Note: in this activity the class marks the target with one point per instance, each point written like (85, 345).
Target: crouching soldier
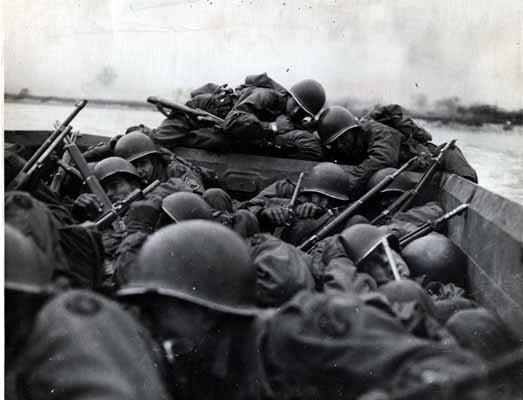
(84, 346)
(367, 147)
(270, 119)
(375, 252)
(195, 288)
(119, 179)
(151, 164)
(28, 286)
(324, 191)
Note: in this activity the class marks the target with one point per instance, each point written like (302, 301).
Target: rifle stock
(325, 230)
(90, 179)
(195, 112)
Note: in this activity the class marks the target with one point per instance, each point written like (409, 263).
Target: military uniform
(249, 122)
(375, 147)
(84, 346)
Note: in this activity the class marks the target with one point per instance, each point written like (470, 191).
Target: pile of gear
(131, 274)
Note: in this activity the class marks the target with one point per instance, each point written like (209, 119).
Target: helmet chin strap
(391, 260)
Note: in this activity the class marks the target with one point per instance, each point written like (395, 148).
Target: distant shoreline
(50, 100)
(472, 116)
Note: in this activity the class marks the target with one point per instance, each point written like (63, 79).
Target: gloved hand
(284, 124)
(276, 215)
(308, 210)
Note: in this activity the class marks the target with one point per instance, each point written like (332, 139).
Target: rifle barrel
(121, 208)
(430, 226)
(426, 177)
(54, 135)
(325, 230)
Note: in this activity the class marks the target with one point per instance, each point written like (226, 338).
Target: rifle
(325, 230)
(291, 205)
(121, 207)
(29, 171)
(37, 159)
(64, 167)
(90, 179)
(406, 198)
(431, 226)
(197, 113)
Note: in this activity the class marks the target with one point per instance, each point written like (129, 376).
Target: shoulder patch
(83, 305)
(191, 182)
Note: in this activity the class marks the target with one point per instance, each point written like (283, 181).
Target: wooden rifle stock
(325, 230)
(194, 112)
(88, 176)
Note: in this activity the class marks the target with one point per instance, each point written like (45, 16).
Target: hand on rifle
(87, 204)
(283, 124)
(308, 210)
(276, 215)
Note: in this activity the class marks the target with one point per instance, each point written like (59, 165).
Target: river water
(497, 155)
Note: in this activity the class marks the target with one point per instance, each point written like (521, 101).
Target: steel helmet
(201, 262)
(407, 290)
(134, 146)
(329, 180)
(334, 122)
(25, 267)
(360, 241)
(111, 166)
(182, 206)
(310, 96)
(437, 257)
(401, 184)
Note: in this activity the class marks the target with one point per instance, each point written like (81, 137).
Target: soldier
(75, 252)
(28, 286)
(119, 178)
(404, 222)
(367, 146)
(151, 164)
(324, 190)
(438, 258)
(180, 129)
(195, 288)
(145, 217)
(84, 346)
(364, 246)
(273, 119)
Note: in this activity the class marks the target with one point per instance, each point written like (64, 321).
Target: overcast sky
(387, 50)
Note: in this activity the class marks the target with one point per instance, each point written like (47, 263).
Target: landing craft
(490, 232)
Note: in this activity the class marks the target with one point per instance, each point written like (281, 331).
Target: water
(497, 155)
